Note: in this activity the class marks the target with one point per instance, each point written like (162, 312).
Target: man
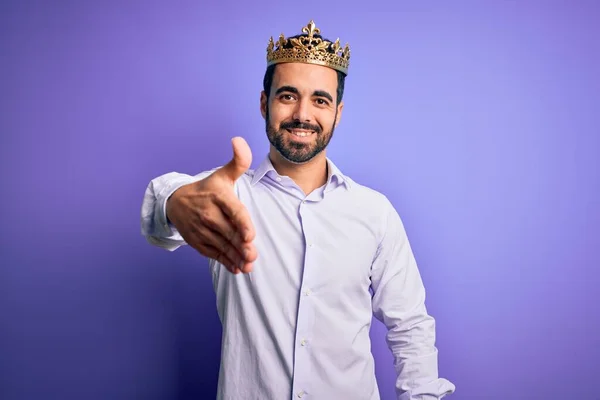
(301, 256)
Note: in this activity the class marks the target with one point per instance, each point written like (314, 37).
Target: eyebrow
(322, 93)
(291, 89)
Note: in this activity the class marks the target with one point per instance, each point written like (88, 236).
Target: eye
(286, 97)
(322, 102)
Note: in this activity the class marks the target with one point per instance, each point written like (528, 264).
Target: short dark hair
(341, 77)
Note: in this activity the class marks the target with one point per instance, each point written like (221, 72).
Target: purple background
(480, 122)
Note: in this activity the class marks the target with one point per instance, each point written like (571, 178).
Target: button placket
(306, 312)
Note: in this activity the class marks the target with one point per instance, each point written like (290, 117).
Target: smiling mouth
(300, 133)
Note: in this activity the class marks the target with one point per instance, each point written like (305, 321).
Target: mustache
(300, 125)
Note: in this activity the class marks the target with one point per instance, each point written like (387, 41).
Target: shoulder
(369, 197)
(376, 207)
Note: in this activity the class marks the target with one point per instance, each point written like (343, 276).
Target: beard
(293, 151)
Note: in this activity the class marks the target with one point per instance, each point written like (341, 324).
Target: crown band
(309, 49)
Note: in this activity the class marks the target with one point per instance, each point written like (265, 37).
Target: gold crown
(310, 50)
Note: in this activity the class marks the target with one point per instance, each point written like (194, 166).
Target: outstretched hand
(210, 217)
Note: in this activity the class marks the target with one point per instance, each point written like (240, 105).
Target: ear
(340, 107)
(263, 104)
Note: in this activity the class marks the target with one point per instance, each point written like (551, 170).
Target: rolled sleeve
(155, 226)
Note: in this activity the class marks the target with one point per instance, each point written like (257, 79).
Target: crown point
(309, 49)
(311, 29)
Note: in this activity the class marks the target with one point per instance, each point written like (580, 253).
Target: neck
(308, 176)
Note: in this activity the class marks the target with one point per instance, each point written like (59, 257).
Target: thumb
(242, 158)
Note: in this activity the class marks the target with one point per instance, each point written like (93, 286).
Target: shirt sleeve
(155, 227)
(399, 303)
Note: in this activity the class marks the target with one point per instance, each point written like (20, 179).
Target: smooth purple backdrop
(479, 121)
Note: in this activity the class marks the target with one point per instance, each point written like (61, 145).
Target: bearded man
(301, 255)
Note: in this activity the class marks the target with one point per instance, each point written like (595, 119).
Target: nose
(302, 111)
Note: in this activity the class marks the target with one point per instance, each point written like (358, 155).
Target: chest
(328, 244)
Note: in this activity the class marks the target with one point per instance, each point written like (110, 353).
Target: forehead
(305, 77)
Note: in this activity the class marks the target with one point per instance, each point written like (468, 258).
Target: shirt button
(300, 394)
(307, 292)
(303, 342)
(278, 179)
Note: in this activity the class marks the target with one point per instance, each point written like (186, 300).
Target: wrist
(168, 209)
(165, 211)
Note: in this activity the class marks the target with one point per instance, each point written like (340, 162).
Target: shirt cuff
(162, 224)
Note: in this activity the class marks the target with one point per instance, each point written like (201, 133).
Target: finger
(219, 242)
(214, 253)
(241, 161)
(247, 267)
(201, 237)
(217, 221)
(233, 208)
(223, 250)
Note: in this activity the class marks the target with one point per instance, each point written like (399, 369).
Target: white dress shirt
(297, 327)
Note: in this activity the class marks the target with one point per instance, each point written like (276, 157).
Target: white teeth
(301, 134)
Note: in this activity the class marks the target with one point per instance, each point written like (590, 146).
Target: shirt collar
(266, 166)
